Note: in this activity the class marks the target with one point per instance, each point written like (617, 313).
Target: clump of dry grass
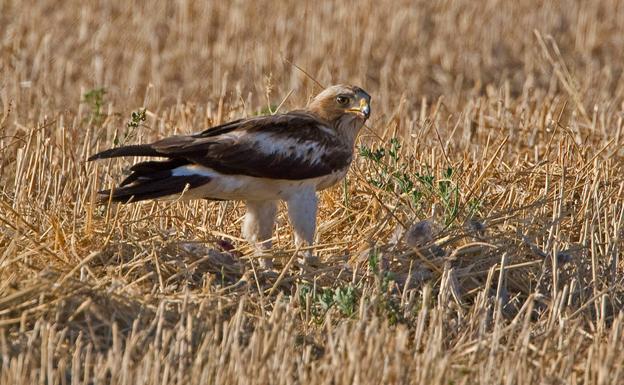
(476, 240)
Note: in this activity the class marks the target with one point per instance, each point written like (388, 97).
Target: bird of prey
(259, 160)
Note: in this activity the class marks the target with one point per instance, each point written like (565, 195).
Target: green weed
(95, 100)
(137, 118)
(391, 173)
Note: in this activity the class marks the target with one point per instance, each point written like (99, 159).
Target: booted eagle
(259, 160)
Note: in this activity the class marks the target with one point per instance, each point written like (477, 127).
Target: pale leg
(258, 228)
(302, 209)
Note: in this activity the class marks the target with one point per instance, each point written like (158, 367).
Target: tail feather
(152, 180)
(153, 165)
(153, 170)
(132, 150)
(143, 189)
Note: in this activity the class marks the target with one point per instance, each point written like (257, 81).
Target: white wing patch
(279, 145)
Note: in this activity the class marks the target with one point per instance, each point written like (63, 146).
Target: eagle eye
(342, 100)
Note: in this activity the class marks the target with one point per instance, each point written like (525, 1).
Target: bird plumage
(261, 159)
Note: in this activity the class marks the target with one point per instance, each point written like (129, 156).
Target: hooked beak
(364, 109)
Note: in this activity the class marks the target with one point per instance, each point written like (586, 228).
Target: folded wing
(292, 146)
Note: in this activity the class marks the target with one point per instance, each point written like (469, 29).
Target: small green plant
(373, 260)
(346, 300)
(343, 298)
(136, 119)
(386, 303)
(326, 300)
(95, 100)
(374, 155)
(392, 174)
(449, 194)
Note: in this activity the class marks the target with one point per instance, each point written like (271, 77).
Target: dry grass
(509, 118)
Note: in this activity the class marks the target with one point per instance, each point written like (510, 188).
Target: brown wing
(292, 146)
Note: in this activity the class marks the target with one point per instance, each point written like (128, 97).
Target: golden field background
(482, 247)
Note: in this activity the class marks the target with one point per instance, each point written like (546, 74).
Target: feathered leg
(258, 228)
(302, 209)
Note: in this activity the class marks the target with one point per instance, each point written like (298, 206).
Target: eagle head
(341, 103)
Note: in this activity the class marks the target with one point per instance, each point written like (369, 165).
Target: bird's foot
(307, 259)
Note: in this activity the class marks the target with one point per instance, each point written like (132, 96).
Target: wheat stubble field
(477, 238)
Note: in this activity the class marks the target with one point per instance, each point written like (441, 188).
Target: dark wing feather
(152, 188)
(245, 158)
(287, 146)
(153, 170)
(132, 150)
